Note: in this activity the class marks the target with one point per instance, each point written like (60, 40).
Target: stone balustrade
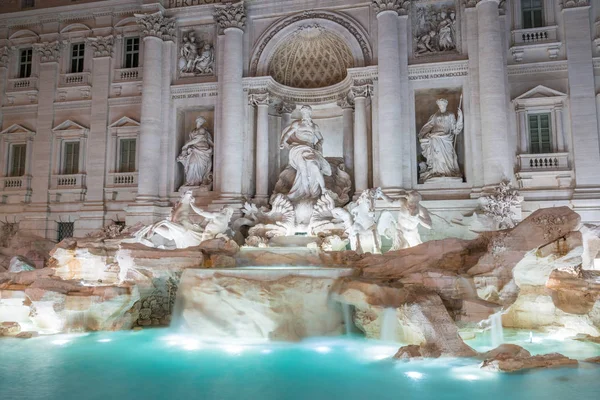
(128, 75)
(76, 79)
(15, 182)
(544, 161)
(22, 84)
(123, 179)
(74, 180)
(535, 35)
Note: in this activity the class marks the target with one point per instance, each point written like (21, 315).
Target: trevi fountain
(334, 276)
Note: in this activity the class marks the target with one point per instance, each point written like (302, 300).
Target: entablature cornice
(121, 101)
(72, 105)
(537, 68)
(450, 69)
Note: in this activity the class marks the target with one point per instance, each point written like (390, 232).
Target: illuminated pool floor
(155, 364)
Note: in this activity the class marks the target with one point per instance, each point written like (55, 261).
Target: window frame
(25, 68)
(120, 165)
(16, 134)
(135, 53)
(531, 19)
(26, 4)
(540, 142)
(11, 160)
(70, 166)
(77, 60)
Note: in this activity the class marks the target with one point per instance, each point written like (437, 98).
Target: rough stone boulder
(508, 350)
(33, 248)
(40, 302)
(20, 264)
(416, 314)
(9, 328)
(507, 362)
(260, 303)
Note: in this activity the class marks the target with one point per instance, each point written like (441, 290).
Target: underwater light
(470, 377)
(104, 340)
(60, 342)
(233, 349)
(323, 349)
(414, 375)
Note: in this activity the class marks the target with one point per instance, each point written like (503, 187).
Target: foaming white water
(389, 325)
(496, 329)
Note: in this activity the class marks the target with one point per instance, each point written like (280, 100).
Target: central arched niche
(311, 57)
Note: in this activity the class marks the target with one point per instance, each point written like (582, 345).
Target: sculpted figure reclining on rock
(404, 231)
(180, 228)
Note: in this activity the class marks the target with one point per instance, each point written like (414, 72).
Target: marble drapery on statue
(196, 156)
(437, 138)
(306, 161)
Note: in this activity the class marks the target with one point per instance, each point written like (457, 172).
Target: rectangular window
(71, 158)
(65, 230)
(77, 55)
(25, 63)
(27, 3)
(540, 133)
(532, 13)
(132, 52)
(127, 155)
(17, 159)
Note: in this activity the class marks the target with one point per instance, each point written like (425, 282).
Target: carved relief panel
(196, 51)
(436, 28)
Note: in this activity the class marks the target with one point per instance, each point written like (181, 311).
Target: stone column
(93, 219)
(228, 163)
(348, 140)
(497, 162)
(389, 105)
(361, 156)
(261, 102)
(285, 110)
(558, 123)
(584, 120)
(155, 28)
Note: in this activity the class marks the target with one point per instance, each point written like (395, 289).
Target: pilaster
(261, 102)
(360, 94)
(347, 107)
(584, 119)
(285, 111)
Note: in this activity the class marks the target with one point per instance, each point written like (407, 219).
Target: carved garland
(310, 15)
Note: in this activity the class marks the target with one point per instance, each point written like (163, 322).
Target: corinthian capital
(361, 89)
(574, 3)
(400, 6)
(156, 25)
(285, 107)
(4, 54)
(473, 3)
(230, 15)
(102, 45)
(49, 52)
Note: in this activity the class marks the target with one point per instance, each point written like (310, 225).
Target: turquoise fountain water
(160, 364)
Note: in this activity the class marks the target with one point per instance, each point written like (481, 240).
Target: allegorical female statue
(305, 144)
(437, 138)
(196, 156)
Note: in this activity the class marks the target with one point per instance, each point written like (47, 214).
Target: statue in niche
(306, 161)
(438, 141)
(190, 62)
(435, 29)
(403, 231)
(196, 156)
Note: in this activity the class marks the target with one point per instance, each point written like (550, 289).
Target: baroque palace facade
(111, 109)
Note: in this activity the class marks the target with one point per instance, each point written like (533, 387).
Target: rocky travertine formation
(260, 304)
(420, 317)
(508, 362)
(38, 301)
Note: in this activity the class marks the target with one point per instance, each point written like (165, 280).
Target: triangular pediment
(540, 92)
(16, 129)
(124, 122)
(68, 125)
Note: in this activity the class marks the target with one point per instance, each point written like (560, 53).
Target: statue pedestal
(444, 180)
(196, 190)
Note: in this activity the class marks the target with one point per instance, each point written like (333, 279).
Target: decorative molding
(70, 129)
(399, 6)
(49, 52)
(342, 20)
(4, 56)
(285, 108)
(122, 101)
(157, 25)
(345, 102)
(537, 68)
(435, 71)
(102, 45)
(73, 105)
(19, 109)
(231, 15)
(361, 89)
(473, 3)
(259, 98)
(565, 4)
(16, 131)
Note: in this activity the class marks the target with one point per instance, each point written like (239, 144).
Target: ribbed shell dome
(311, 57)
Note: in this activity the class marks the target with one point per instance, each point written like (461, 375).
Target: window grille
(65, 230)
(27, 3)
